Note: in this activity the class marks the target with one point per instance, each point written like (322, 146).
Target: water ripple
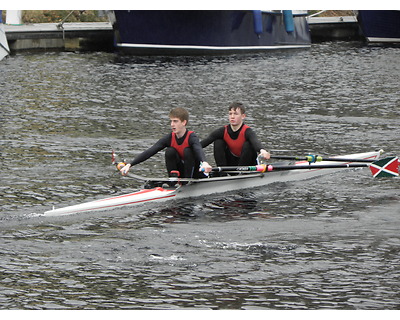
(326, 243)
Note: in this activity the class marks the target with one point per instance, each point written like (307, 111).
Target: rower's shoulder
(249, 130)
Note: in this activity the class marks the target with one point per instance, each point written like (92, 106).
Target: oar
(380, 168)
(314, 158)
(120, 164)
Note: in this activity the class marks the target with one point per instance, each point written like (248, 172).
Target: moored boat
(4, 49)
(202, 187)
(178, 32)
(380, 26)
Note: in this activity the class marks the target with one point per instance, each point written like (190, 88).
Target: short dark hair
(237, 105)
(180, 113)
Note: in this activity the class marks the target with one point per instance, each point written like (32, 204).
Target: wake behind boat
(187, 188)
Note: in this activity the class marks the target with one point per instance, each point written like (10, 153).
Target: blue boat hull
(204, 32)
(380, 25)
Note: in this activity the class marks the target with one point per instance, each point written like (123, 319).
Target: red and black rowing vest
(180, 147)
(236, 145)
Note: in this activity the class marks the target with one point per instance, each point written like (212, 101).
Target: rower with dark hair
(235, 144)
(183, 149)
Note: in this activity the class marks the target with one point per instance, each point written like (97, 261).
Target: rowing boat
(187, 188)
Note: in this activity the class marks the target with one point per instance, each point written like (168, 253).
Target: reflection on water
(330, 242)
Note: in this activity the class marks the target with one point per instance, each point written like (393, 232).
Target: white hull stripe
(376, 39)
(189, 47)
(77, 209)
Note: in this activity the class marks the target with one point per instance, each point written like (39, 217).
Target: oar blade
(387, 167)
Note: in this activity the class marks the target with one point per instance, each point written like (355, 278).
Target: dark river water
(331, 242)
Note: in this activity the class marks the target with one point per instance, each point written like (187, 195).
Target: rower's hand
(265, 154)
(124, 171)
(205, 167)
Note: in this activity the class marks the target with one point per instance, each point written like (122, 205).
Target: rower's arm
(214, 135)
(255, 142)
(196, 146)
(158, 146)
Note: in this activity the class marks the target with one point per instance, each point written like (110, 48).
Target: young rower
(235, 144)
(184, 152)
